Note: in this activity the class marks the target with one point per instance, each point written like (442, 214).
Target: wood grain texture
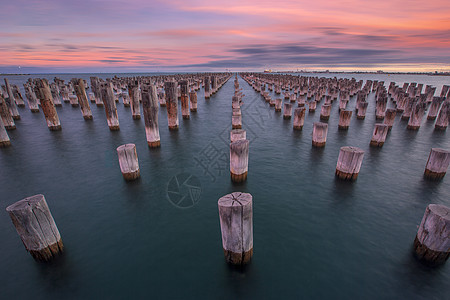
(349, 163)
(236, 225)
(432, 242)
(36, 227)
(128, 161)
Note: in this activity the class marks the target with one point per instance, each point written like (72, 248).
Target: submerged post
(389, 117)
(239, 160)
(5, 115)
(236, 225)
(150, 108)
(432, 242)
(128, 161)
(349, 163)
(36, 227)
(437, 163)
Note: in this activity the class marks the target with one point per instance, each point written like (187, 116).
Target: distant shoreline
(273, 72)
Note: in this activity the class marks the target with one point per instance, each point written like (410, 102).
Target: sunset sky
(149, 36)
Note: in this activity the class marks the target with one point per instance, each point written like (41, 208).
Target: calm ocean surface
(314, 237)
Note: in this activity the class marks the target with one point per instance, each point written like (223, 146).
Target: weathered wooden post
(73, 100)
(325, 112)
(319, 135)
(443, 117)
(193, 100)
(287, 111)
(379, 135)
(237, 134)
(110, 106)
(97, 89)
(12, 107)
(434, 108)
(150, 108)
(345, 117)
(170, 88)
(36, 227)
(236, 121)
(5, 115)
(312, 106)
(299, 118)
(278, 104)
(362, 109)
(432, 242)
(207, 88)
(49, 110)
(80, 90)
(184, 99)
(18, 96)
(349, 163)
(135, 96)
(4, 137)
(31, 98)
(128, 161)
(56, 95)
(437, 163)
(10, 93)
(239, 151)
(126, 99)
(389, 117)
(416, 116)
(236, 225)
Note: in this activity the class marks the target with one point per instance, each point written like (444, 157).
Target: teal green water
(314, 237)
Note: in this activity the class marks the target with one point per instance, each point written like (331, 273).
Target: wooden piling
(4, 137)
(128, 161)
(135, 97)
(239, 151)
(36, 227)
(345, 116)
(362, 109)
(278, 104)
(299, 118)
(193, 100)
(389, 117)
(207, 88)
(97, 90)
(237, 134)
(49, 110)
(325, 112)
(150, 108)
(170, 89)
(184, 87)
(434, 108)
(379, 135)
(312, 106)
(437, 164)
(80, 90)
(443, 116)
(31, 98)
(5, 115)
(349, 163)
(236, 225)
(432, 242)
(73, 100)
(236, 121)
(319, 134)
(109, 103)
(416, 116)
(12, 107)
(10, 92)
(287, 114)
